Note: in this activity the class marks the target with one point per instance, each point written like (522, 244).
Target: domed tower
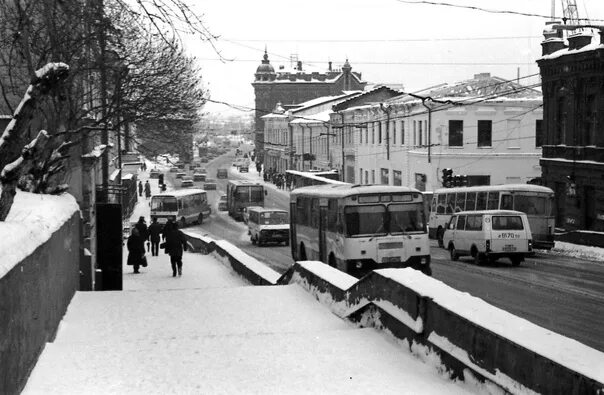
(265, 72)
(347, 70)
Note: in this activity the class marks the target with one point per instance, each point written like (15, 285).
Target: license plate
(391, 259)
(509, 248)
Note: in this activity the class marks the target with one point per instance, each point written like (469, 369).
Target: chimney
(553, 39)
(579, 40)
(299, 65)
(329, 63)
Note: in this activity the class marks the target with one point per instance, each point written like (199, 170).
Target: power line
(378, 40)
(314, 62)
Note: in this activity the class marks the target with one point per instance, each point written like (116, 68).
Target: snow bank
(31, 222)
(252, 263)
(563, 350)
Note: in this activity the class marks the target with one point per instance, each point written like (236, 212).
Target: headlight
(424, 260)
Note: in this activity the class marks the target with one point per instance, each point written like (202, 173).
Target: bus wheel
(479, 258)
(516, 260)
(253, 240)
(200, 219)
(302, 252)
(439, 235)
(183, 222)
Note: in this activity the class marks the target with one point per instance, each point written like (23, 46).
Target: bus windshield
(365, 220)
(252, 194)
(277, 218)
(164, 203)
(406, 218)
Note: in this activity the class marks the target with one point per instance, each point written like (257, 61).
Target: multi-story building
(486, 128)
(573, 140)
(293, 86)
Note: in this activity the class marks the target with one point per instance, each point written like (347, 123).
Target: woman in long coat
(136, 250)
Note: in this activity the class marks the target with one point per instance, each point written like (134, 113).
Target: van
(489, 235)
(268, 225)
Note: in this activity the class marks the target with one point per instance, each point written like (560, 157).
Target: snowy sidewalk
(209, 332)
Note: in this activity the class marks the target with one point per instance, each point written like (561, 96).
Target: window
(589, 123)
(373, 176)
(507, 222)
(538, 133)
(441, 204)
(372, 134)
(394, 131)
(366, 177)
(402, 132)
(493, 201)
(385, 176)
(507, 202)
(461, 222)
(420, 133)
(561, 118)
(481, 201)
(460, 202)
(406, 218)
(367, 136)
(332, 215)
(360, 176)
(397, 177)
(455, 133)
(314, 219)
(474, 222)
(379, 128)
(301, 211)
(450, 203)
(365, 220)
(470, 201)
(485, 132)
(414, 133)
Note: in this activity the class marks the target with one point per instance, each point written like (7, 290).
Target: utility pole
(387, 110)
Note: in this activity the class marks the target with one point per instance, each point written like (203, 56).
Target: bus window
(314, 219)
(460, 202)
(406, 218)
(256, 194)
(481, 201)
(365, 220)
(493, 202)
(531, 205)
(450, 203)
(301, 217)
(332, 215)
(507, 202)
(442, 203)
(470, 201)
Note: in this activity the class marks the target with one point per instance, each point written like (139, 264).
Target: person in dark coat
(136, 250)
(155, 230)
(143, 232)
(176, 243)
(147, 189)
(140, 188)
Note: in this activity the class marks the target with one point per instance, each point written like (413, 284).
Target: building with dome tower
(292, 86)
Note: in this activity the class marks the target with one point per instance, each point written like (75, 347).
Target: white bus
(358, 228)
(537, 202)
(183, 205)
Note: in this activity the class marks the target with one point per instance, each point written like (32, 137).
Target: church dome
(266, 66)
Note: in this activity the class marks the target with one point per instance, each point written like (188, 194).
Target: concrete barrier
(34, 296)
(468, 344)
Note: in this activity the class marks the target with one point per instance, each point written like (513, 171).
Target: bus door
(293, 244)
(322, 230)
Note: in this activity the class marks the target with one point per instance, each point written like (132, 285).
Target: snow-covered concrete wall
(39, 274)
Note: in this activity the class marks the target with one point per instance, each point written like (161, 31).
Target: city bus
(308, 178)
(241, 194)
(358, 228)
(184, 205)
(536, 201)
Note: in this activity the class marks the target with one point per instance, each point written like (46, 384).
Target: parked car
(181, 174)
(199, 177)
(209, 184)
(222, 173)
(268, 225)
(489, 235)
(222, 203)
(187, 183)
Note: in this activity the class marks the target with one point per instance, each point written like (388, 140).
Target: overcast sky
(388, 41)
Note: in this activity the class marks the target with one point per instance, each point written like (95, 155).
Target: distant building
(573, 136)
(294, 86)
(486, 128)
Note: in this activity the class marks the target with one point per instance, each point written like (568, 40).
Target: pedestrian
(155, 230)
(136, 250)
(143, 232)
(147, 189)
(140, 188)
(176, 243)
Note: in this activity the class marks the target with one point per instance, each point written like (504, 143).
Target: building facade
(573, 140)
(485, 128)
(293, 86)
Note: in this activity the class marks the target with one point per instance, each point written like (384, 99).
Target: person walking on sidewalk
(143, 232)
(140, 188)
(147, 189)
(136, 250)
(155, 230)
(176, 243)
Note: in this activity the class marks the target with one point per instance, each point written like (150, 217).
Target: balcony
(574, 153)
